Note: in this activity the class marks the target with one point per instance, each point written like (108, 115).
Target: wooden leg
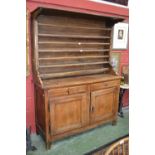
(48, 145)
(37, 131)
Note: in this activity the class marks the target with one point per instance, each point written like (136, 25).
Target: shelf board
(73, 73)
(73, 64)
(72, 50)
(73, 36)
(76, 57)
(74, 43)
(76, 27)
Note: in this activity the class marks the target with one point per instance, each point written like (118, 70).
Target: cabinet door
(103, 104)
(68, 113)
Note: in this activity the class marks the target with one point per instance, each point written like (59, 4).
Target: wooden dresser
(76, 88)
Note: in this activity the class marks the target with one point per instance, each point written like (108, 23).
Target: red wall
(77, 6)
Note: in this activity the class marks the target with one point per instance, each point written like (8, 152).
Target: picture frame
(115, 61)
(120, 36)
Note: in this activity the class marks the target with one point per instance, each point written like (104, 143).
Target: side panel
(40, 109)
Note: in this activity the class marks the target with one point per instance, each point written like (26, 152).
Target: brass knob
(68, 91)
(92, 109)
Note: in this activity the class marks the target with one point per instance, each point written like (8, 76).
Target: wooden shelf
(73, 73)
(73, 64)
(76, 27)
(76, 57)
(72, 50)
(73, 36)
(74, 43)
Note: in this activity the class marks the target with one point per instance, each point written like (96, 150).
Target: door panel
(103, 104)
(68, 113)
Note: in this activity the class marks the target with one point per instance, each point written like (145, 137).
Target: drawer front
(106, 84)
(67, 90)
(77, 89)
(59, 91)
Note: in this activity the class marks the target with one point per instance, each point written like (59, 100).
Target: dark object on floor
(29, 146)
(102, 150)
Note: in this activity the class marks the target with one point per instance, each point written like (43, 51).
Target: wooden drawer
(68, 90)
(78, 89)
(106, 84)
(59, 91)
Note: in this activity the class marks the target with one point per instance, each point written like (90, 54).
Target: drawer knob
(68, 91)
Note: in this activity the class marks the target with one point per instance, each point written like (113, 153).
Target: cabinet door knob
(92, 109)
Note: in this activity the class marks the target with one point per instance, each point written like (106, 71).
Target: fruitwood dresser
(76, 88)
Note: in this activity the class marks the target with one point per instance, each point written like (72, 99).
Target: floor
(85, 142)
